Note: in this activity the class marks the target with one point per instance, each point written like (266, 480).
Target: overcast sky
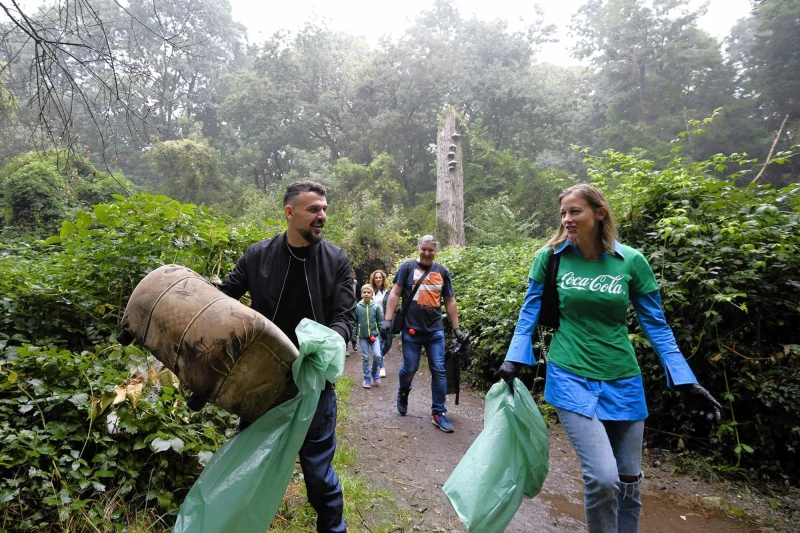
(371, 19)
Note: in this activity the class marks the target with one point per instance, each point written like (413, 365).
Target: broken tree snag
(449, 185)
(771, 150)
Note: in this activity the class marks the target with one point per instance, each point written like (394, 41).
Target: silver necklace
(291, 252)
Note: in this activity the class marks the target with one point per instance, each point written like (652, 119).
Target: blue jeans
(383, 352)
(316, 456)
(433, 342)
(607, 451)
(370, 357)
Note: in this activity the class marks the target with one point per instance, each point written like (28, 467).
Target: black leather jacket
(263, 268)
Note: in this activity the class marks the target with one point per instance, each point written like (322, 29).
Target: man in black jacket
(298, 275)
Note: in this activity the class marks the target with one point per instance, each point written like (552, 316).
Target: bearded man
(298, 275)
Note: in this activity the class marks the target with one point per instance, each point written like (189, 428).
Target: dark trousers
(316, 456)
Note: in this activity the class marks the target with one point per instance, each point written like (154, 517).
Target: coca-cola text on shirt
(602, 283)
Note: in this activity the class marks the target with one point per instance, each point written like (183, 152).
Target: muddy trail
(412, 459)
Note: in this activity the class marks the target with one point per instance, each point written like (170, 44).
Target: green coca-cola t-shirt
(592, 338)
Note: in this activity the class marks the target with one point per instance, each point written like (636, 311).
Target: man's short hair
(427, 239)
(303, 186)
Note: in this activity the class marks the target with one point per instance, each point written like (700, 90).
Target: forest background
(139, 133)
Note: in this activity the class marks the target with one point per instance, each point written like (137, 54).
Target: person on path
(593, 378)
(298, 275)
(380, 291)
(369, 317)
(422, 325)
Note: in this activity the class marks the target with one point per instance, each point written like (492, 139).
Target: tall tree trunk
(449, 185)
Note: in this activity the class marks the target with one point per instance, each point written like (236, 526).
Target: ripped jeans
(611, 461)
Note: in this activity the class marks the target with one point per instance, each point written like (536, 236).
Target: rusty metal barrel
(220, 349)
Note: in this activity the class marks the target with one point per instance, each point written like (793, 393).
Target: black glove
(507, 372)
(459, 334)
(700, 401)
(125, 337)
(195, 402)
(387, 343)
(386, 328)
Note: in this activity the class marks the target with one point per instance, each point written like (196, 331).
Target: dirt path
(412, 459)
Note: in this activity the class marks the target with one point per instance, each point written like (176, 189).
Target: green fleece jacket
(368, 319)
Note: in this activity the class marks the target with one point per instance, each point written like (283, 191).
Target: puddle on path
(658, 516)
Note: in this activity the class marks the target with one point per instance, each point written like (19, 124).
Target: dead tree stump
(449, 185)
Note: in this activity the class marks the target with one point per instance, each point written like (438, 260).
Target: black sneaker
(402, 403)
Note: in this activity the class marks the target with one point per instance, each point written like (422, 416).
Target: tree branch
(771, 150)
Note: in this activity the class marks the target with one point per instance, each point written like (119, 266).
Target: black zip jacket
(262, 270)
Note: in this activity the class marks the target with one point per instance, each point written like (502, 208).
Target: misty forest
(136, 134)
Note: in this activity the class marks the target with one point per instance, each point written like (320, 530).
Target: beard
(309, 235)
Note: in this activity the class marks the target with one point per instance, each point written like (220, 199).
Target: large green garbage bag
(242, 486)
(507, 461)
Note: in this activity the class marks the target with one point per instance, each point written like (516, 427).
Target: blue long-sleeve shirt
(619, 399)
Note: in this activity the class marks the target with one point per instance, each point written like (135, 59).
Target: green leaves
(58, 462)
(67, 229)
(160, 445)
(742, 448)
(74, 287)
(39, 189)
(79, 400)
(81, 417)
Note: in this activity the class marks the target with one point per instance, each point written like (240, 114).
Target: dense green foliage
(39, 189)
(76, 291)
(69, 465)
(193, 170)
(65, 461)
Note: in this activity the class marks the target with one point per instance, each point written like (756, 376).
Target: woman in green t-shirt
(593, 377)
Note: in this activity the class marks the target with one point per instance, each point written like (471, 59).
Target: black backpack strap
(548, 315)
(416, 286)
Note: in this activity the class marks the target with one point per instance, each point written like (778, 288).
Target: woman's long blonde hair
(596, 200)
(372, 281)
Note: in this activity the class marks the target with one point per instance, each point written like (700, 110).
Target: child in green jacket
(369, 318)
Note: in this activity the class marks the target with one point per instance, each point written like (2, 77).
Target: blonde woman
(593, 377)
(380, 290)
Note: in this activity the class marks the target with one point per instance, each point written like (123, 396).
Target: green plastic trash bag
(242, 486)
(507, 461)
